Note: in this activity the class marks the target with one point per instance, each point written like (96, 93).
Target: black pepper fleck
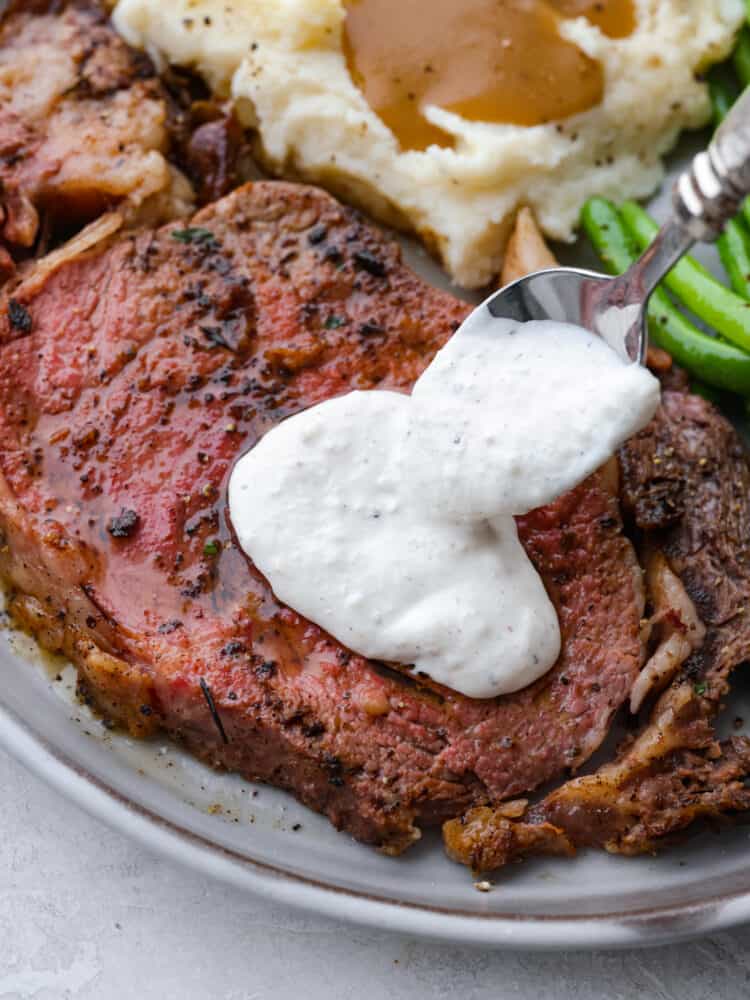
(124, 524)
(166, 628)
(233, 648)
(19, 316)
(316, 235)
(333, 254)
(267, 669)
(369, 329)
(368, 262)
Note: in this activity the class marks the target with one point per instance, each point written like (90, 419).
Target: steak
(85, 126)
(132, 376)
(686, 486)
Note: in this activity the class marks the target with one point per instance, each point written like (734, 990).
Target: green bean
(714, 303)
(712, 361)
(715, 362)
(609, 237)
(734, 250)
(741, 56)
(722, 97)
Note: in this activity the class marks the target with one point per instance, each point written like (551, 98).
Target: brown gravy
(487, 60)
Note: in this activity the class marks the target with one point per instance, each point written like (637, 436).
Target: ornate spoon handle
(706, 196)
(710, 192)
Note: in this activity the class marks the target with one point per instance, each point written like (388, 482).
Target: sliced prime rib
(132, 376)
(84, 126)
(686, 487)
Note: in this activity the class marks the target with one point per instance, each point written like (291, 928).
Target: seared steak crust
(131, 378)
(84, 126)
(686, 485)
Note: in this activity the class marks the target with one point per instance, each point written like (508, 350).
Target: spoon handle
(711, 191)
(706, 196)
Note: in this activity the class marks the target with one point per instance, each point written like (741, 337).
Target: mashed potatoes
(283, 61)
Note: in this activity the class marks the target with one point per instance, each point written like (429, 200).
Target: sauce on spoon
(388, 519)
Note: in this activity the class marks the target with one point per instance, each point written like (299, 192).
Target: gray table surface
(85, 914)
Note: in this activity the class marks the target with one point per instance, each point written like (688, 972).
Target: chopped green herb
(700, 688)
(193, 234)
(211, 548)
(333, 322)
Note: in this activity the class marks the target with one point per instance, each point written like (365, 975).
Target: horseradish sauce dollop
(387, 519)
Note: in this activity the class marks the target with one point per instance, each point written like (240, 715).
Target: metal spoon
(705, 197)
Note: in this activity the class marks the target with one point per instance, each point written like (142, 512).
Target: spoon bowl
(567, 295)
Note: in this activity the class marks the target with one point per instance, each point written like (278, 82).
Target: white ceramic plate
(262, 840)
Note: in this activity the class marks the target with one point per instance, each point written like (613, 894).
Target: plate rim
(503, 931)
(649, 927)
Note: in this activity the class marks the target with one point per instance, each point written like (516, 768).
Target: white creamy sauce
(518, 415)
(388, 519)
